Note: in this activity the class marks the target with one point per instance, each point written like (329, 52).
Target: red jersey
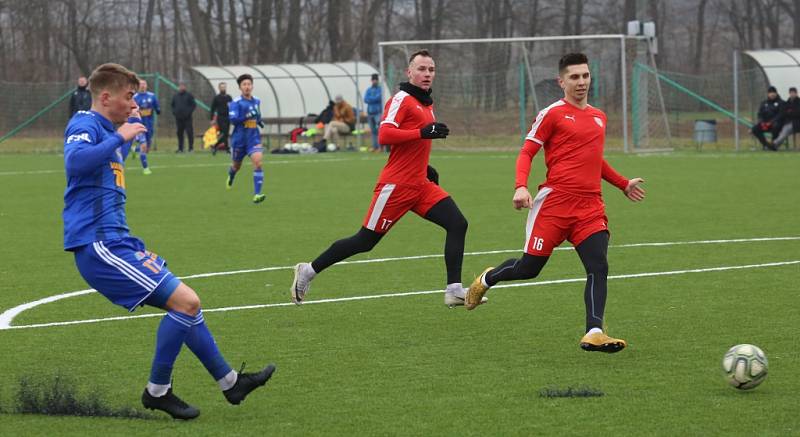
(403, 117)
(573, 140)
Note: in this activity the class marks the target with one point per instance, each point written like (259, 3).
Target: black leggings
(445, 214)
(592, 253)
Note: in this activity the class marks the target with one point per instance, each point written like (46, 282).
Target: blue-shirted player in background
(148, 103)
(117, 264)
(245, 115)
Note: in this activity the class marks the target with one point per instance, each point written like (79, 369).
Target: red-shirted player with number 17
(407, 183)
(568, 205)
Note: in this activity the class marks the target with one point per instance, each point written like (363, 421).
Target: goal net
(489, 90)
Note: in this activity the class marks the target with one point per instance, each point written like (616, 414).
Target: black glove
(433, 175)
(434, 130)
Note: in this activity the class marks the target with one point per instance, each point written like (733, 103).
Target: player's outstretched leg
(527, 267)
(592, 252)
(447, 215)
(247, 382)
(363, 241)
(158, 394)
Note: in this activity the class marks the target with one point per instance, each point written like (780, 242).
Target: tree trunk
(221, 30)
(265, 41)
(422, 12)
(233, 55)
(630, 14)
(699, 36)
(147, 30)
(163, 63)
(533, 19)
(387, 24)
(334, 39)
(295, 41)
(200, 31)
(367, 40)
(176, 18)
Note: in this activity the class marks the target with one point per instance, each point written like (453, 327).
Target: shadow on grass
(570, 392)
(59, 396)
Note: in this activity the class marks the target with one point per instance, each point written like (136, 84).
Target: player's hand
(130, 130)
(434, 131)
(634, 191)
(522, 198)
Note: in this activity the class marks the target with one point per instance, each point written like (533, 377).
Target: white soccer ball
(745, 366)
(331, 147)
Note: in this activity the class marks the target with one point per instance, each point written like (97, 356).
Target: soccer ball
(745, 366)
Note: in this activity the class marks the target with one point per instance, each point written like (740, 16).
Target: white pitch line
(412, 293)
(8, 316)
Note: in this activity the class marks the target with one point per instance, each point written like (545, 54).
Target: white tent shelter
(291, 91)
(781, 67)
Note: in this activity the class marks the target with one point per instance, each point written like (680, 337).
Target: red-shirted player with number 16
(407, 183)
(568, 205)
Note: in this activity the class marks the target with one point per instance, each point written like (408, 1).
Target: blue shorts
(126, 273)
(245, 143)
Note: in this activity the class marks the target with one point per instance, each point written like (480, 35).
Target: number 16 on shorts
(537, 243)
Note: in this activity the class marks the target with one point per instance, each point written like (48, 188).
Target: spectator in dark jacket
(183, 106)
(219, 116)
(81, 99)
(769, 115)
(790, 118)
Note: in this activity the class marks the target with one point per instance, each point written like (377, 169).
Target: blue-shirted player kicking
(245, 114)
(117, 264)
(148, 103)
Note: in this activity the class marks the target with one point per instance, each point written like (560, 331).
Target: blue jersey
(245, 115)
(94, 200)
(148, 103)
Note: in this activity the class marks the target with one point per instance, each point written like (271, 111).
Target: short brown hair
(423, 52)
(571, 59)
(113, 77)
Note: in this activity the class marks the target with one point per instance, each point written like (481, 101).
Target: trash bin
(705, 131)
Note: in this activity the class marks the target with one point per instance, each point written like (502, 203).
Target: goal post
(484, 86)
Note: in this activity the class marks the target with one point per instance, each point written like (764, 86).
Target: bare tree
(200, 31)
(334, 38)
(700, 33)
(234, 34)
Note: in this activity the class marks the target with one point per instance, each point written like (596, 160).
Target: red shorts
(392, 201)
(557, 216)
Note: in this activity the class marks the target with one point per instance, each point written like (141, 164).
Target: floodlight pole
(624, 74)
(736, 99)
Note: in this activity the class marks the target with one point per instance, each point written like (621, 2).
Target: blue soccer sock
(231, 173)
(170, 337)
(202, 344)
(258, 180)
(143, 158)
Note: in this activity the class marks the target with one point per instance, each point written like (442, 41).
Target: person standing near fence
(219, 117)
(148, 104)
(183, 106)
(81, 99)
(373, 97)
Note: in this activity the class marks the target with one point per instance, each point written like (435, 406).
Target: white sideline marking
(8, 316)
(410, 293)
